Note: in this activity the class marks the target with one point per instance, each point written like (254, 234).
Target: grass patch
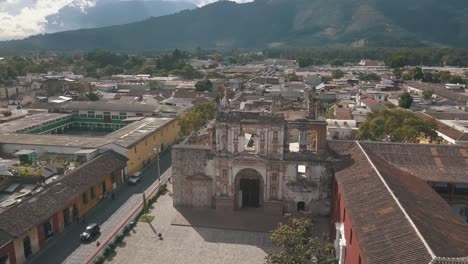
(146, 218)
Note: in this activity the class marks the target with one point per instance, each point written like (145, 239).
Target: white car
(135, 178)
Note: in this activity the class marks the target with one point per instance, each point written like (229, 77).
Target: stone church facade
(275, 162)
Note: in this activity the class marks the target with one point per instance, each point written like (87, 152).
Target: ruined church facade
(274, 162)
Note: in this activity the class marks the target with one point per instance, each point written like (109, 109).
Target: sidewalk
(67, 247)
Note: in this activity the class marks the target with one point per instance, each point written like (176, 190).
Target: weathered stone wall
(190, 162)
(314, 189)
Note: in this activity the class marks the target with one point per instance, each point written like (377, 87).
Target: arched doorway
(301, 206)
(249, 189)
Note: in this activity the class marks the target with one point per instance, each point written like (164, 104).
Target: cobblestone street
(185, 244)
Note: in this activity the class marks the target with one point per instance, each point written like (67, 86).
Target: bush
(99, 259)
(119, 238)
(108, 250)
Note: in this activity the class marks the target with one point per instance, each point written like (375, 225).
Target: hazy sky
(22, 18)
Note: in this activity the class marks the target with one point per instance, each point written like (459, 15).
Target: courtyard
(188, 244)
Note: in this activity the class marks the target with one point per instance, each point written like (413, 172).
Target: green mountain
(273, 23)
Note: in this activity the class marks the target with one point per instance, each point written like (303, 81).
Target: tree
(417, 73)
(369, 77)
(153, 85)
(6, 113)
(427, 95)
(297, 244)
(406, 100)
(196, 118)
(92, 96)
(204, 85)
(396, 61)
(397, 125)
(337, 74)
(397, 72)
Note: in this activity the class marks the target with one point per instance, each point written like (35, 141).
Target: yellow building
(140, 141)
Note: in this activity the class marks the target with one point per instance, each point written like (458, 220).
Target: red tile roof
(343, 113)
(397, 217)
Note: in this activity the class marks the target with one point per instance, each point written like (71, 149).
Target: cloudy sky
(22, 18)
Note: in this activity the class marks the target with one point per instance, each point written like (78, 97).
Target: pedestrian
(113, 195)
(98, 243)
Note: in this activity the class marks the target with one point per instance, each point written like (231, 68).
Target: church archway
(249, 189)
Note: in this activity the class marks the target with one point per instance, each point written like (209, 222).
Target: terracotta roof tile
(40, 207)
(384, 233)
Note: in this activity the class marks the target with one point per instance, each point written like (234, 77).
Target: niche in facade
(312, 140)
(294, 140)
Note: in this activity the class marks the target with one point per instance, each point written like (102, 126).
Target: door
(250, 192)
(27, 247)
(66, 216)
(200, 196)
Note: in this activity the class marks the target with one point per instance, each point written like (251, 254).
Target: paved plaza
(188, 244)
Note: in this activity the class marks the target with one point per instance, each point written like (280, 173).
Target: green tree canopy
(406, 100)
(337, 74)
(92, 96)
(196, 118)
(297, 244)
(427, 95)
(397, 125)
(204, 85)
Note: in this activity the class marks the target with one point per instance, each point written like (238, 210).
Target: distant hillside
(112, 12)
(271, 23)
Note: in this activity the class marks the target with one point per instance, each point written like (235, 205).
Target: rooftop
(106, 106)
(42, 206)
(30, 121)
(133, 133)
(397, 217)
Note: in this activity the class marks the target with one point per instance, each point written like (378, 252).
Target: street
(67, 247)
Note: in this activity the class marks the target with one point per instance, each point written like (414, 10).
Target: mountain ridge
(109, 13)
(276, 23)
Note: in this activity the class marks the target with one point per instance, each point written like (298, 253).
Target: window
(85, 198)
(123, 115)
(301, 171)
(83, 115)
(250, 144)
(48, 229)
(91, 114)
(274, 176)
(351, 237)
(115, 117)
(99, 116)
(93, 193)
(139, 114)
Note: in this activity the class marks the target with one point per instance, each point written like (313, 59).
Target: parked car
(91, 231)
(135, 178)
